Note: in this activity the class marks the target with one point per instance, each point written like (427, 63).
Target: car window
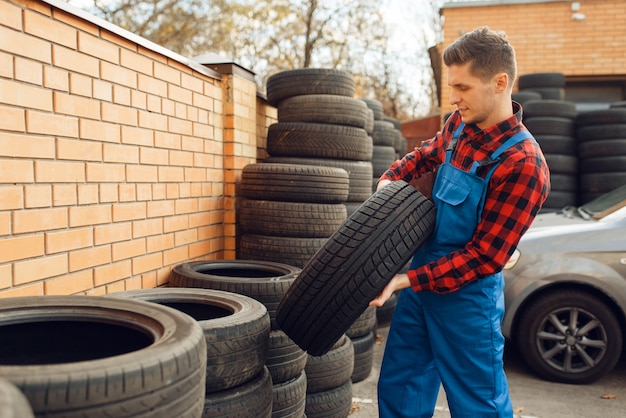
(605, 204)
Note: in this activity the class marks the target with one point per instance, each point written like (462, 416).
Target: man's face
(475, 99)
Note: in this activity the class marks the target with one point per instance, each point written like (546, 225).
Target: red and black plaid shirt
(518, 187)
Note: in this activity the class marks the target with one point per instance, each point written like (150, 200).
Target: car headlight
(513, 260)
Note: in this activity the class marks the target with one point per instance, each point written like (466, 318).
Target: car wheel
(569, 336)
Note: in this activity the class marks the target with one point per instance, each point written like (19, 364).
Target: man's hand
(382, 184)
(397, 282)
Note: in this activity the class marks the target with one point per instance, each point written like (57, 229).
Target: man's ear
(501, 82)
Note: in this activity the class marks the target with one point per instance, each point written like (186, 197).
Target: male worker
(491, 180)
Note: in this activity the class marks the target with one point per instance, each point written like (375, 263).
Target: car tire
(252, 399)
(264, 281)
(354, 265)
(236, 328)
(304, 81)
(544, 346)
(79, 356)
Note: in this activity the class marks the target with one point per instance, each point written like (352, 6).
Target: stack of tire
(384, 138)
(601, 136)
(266, 282)
(321, 123)
(288, 211)
(236, 329)
(552, 123)
(549, 85)
(400, 144)
(329, 381)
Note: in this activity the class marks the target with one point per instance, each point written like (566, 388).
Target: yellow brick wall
(116, 162)
(547, 39)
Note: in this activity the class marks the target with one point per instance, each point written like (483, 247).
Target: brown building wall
(546, 38)
(117, 161)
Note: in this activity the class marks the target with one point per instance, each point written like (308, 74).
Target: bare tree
(270, 36)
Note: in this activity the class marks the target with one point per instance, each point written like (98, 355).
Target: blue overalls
(454, 338)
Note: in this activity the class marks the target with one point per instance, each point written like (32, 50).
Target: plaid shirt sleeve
(518, 189)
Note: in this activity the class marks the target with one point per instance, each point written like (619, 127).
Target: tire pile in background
(585, 150)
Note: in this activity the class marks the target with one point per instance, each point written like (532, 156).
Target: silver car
(566, 291)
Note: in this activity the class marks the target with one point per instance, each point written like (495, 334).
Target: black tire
(522, 97)
(544, 79)
(559, 199)
(601, 132)
(601, 182)
(395, 122)
(602, 148)
(400, 146)
(303, 81)
(285, 359)
(77, 356)
(323, 108)
(318, 140)
(557, 144)
(13, 403)
(351, 207)
(597, 334)
(602, 117)
(553, 108)
(382, 158)
(332, 369)
(294, 183)
(384, 133)
(334, 403)
(550, 93)
(369, 123)
(290, 219)
(289, 398)
(236, 329)
(550, 125)
(363, 356)
(252, 399)
(614, 163)
(360, 173)
(562, 164)
(365, 323)
(287, 250)
(356, 263)
(376, 107)
(263, 281)
(563, 182)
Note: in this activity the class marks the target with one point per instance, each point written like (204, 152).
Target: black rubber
(252, 399)
(303, 81)
(360, 173)
(363, 356)
(318, 140)
(88, 356)
(294, 251)
(332, 369)
(294, 183)
(376, 106)
(289, 398)
(544, 79)
(290, 219)
(557, 108)
(354, 265)
(264, 281)
(333, 403)
(323, 108)
(285, 359)
(236, 329)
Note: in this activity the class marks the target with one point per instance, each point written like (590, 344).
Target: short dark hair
(488, 51)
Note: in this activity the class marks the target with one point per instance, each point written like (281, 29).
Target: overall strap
(455, 137)
(495, 156)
